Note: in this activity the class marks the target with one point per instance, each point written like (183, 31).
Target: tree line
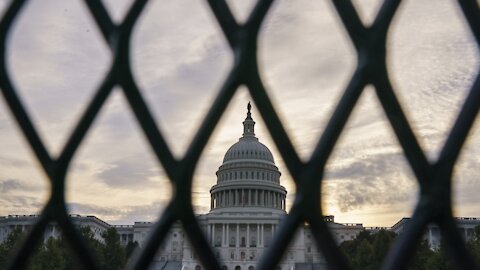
(55, 253)
(368, 250)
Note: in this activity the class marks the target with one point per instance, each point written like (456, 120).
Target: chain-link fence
(434, 178)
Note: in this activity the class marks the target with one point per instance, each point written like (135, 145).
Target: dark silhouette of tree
(56, 254)
(8, 245)
(422, 257)
(130, 248)
(113, 252)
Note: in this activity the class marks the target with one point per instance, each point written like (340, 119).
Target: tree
(113, 252)
(363, 256)
(9, 244)
(474, 244)
(130, 248)
(439, 259)
(96, 247)
(55, 253)
(367, 250)
(421, 259)
(52, 255)
(381, 243)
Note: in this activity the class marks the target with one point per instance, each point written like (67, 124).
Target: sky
(57, 58)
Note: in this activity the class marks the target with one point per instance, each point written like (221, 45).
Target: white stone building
(247, 206)
(466, 225)
(25, 222)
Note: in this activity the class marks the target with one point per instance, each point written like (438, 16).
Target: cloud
(370, 181)
(20, 204)
(10, 185)
(116, 215)
(129, 173)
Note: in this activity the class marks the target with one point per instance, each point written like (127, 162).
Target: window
(253, 241)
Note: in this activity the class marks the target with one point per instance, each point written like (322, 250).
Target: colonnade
(241, 235)
(248, 197)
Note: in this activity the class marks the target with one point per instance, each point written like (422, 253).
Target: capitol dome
(248, 148)
(248, 177)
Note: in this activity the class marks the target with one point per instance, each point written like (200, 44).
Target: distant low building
(25, 223)
(466, 225)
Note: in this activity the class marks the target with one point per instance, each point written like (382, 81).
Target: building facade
(25, 222)
(247, 206)
(466, 226)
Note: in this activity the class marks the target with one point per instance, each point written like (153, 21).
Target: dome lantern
(249, 124)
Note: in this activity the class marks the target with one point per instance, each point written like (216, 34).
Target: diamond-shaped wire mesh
(434, 178)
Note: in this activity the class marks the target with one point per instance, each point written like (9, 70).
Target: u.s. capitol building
(247, 206)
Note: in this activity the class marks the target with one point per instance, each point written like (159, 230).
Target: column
(261, 233)
(243, 196)
(248, 235)
(228, 234)
(263, 198)
(258, 235)
(249, 197)
(213, 234)
(237, 242)
(223, 235)
(210, 231)
(237, 197)
(211, 202)
(229, 197)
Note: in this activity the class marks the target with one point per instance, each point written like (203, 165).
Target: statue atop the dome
(248, 124)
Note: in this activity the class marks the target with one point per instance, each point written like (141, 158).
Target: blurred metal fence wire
(434, 178)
